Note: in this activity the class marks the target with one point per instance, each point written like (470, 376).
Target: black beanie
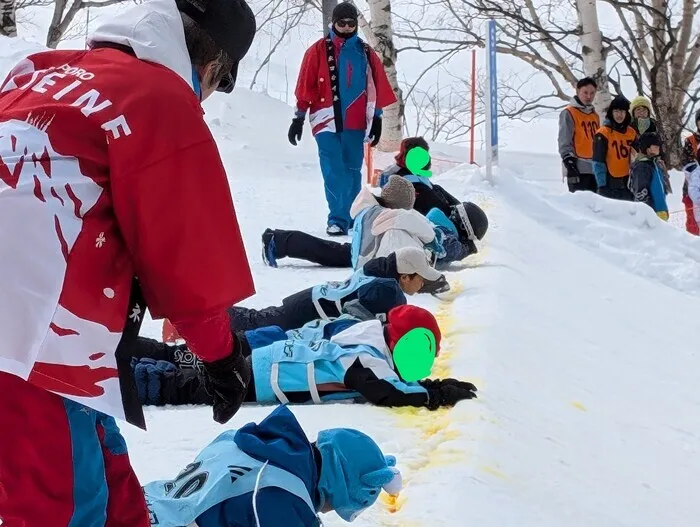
(648, 139)
(619, 103)
(697, 116)
(344, 11)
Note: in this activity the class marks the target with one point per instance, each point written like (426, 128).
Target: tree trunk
(327, 8)
(594, 58)
(670, 123)
(56, 28)
(392, 127)
(8, 24)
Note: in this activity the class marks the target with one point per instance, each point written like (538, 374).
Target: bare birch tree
(593, 52)
(8, 21)
(64, 14)
(275, 19)
(382, 29)
(658, 47)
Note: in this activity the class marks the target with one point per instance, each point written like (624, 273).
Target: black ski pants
(297, 244)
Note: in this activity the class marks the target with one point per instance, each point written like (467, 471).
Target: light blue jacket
(261, 475)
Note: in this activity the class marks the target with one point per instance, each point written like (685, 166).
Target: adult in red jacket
(343, 85)
(97, 149)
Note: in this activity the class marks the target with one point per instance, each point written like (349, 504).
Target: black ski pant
(617, 188)
(244, 319)
(297, 244)
(582, 182)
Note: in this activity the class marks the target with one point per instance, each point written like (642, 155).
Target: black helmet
(229, 23)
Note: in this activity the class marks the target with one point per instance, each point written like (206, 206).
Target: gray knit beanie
(398, 193)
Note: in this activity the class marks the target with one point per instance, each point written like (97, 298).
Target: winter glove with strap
(227, 380)
(571, 165)
(295, 130)
(375, 133)
(447, 392)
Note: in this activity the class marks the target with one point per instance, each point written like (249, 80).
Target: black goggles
(347, 23)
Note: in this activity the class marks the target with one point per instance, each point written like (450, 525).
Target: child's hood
(411, 221)
(369, 333)
(280, 440)
(364, 200)
(382, 267)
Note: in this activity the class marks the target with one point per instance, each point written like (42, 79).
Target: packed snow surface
(578, 322)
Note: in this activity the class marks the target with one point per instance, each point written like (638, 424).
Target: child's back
(646, 177)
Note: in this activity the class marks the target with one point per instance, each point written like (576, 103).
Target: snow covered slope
(578, 321)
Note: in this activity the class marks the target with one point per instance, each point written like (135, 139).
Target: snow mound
(629, 235)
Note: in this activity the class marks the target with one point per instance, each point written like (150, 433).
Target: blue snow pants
(341, 156)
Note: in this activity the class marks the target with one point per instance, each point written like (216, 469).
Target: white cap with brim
(410, 260)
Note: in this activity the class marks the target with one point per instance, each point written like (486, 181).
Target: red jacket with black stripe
(314, 93)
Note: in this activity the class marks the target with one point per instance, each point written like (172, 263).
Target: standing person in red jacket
(343, 85)
(97, 149)
(690, 148)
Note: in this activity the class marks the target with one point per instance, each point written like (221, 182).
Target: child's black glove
(226, 380)
(295, 130)
(447, 392)
(462, 384)
(375, 133)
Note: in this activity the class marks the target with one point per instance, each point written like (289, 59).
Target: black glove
(375, 133)
(295, 130)
(447, 392)
(226, 380)
(462, 384)
(571, 167)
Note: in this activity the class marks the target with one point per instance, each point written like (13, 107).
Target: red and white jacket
(313, 90)
(108, 171)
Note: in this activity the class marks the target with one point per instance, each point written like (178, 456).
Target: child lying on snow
(383, 363)
(382, 225)
(467, 219)
(271, 475)
(370, 292)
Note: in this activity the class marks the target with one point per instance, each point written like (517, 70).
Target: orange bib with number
(619, 150)
(585, 127)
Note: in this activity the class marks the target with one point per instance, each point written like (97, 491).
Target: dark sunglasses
(346, 23)
(229, 81)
